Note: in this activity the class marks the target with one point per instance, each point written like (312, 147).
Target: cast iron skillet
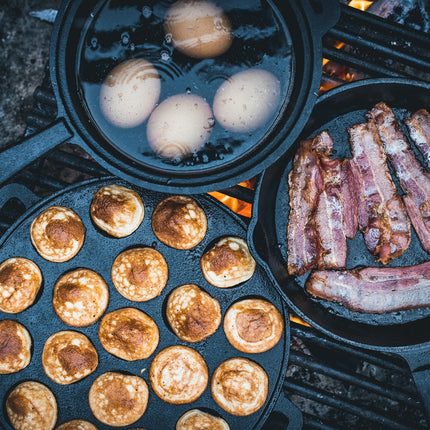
(306, 21)
(98, 253)
(405, 333)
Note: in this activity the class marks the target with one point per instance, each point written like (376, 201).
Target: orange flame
(238, 206)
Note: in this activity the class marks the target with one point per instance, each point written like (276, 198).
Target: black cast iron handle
(284, 416)
(19, 156)
(323, 14)
(418, 359)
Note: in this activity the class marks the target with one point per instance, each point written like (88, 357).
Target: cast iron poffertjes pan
(303, 23)
(406, 333)
(98, 253)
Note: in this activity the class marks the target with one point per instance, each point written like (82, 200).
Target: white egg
(180, 126)
(129, 93)
(199, 29)
(247, 100)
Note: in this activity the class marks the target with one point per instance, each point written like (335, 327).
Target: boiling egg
(180, 126)
(129, 93)
(247, 100)
(199, 29)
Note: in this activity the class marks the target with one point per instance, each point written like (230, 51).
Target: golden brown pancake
(239, 386)
(31, 406)
(57, 234)
(128, 334)
(228, 263)
(193, 314)
(15, 347)
(253, 325)
(117, 210)
(139, 274)
(178, 374)
(117, 399)
(80, 297)
(76, 425)
(179, 222)
(20, 281)
(68, 356)
(197, 420)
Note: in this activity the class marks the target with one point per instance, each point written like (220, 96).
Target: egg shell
(180, 126)
(199, 29)
(129, 93)
(246, 100)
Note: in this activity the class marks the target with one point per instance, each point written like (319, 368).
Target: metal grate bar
(389, 391)
(332, 400)
(385, 361)
(32, 177)
(310, 423)
(76, 162)
(366, 66)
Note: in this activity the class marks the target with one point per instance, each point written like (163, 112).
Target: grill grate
(335, 385)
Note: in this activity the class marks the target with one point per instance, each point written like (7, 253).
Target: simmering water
(122, 30)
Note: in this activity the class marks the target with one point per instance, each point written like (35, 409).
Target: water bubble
(218, 24)
(154, 244)
(146, 12)
(188, 90)
(92, 15)
(94, 43)
(205, 158)
(168, 38)
(132, 47)
(125, 38)
(165, 56)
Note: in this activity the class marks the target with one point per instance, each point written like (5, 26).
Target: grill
(334, 385)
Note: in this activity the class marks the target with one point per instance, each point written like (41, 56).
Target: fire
(238, 206)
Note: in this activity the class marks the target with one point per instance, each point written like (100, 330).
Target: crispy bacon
(305, 185)
(414, 180)
(374, 289)
(381, 214)
(419, 130)
(348, 192)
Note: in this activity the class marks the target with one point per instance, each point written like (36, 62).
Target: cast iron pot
(98, 252)
(405, 333)
(306, 21)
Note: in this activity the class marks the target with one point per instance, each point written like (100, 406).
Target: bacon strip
(305, 185)
(381, 214)
(348, 193)
(335, 206)
(419, 130)
(374, 289)
(414, 180)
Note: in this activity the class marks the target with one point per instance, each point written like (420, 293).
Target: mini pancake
(76, 425)
(80, 297)
(118, 400)
(239, 386)
(31, 405)
(253, 325)
(228, 263)
(68, 356)
(20, 281)
(128, 334)
(178, 375)
(192, 314)
(117, 210)
(15, 347)
(57, 234)
(196, 420)
(139, 274)
(179, 222)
